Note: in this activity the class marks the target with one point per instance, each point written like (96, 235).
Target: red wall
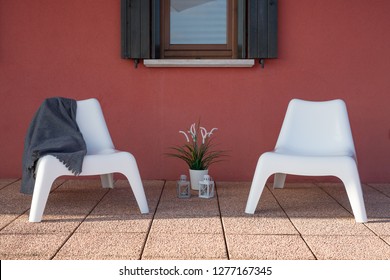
(327, 49)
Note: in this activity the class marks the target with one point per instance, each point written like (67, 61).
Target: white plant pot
(196, 176)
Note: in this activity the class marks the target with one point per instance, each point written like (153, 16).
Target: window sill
(199, 62)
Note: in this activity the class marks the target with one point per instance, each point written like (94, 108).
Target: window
(198, 29)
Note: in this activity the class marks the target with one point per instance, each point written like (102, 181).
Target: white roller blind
(198, 22)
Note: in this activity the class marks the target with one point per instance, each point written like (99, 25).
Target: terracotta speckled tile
(377, 205)
(52, 224)
(187, 225)
(386, 238)
(184, 246)
(258, 225)
(121, 201)
(186, 208)
(348, 247)
(267, 247)
(74, 197)
(98, 245)
(107, 223)
(6, 182)
(152, 188)
(302, 221)
(12, 201)
(384, 188)
(309, 201)
(329, 226)
(268, 218)
(34, 246)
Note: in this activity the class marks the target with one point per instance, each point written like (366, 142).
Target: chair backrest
(92, 124)
(316, 128)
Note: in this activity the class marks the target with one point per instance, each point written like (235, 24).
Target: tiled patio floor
(302, 221)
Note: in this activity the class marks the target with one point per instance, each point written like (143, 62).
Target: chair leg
(257, 187)
(42, 188)
(134, 178)
(355, 195)
(107, 180)
(279, 180)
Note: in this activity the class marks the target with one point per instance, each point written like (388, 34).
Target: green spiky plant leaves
(198, 152)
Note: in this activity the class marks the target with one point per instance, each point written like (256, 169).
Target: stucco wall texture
(327, 50)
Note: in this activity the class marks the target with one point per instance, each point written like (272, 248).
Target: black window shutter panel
(262, 28)
(135, 29)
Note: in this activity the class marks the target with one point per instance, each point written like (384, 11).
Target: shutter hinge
(136, 61)
(261, 61)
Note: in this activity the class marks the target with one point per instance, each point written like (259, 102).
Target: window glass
(198, 22)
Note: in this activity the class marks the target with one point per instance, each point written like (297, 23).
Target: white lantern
(183, 187)
(206, 187)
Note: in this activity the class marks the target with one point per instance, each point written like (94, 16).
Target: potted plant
(198, 152)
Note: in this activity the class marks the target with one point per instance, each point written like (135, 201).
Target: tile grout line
(15, 180)
(364, 224)
(222, 225)
(368, 185)
(28, 208)
(152, 220)
(371, 186)
(300, 234)
(322, 189)
(77, 227)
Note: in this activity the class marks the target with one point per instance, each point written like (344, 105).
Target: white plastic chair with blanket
(101, 159)
(315, 140)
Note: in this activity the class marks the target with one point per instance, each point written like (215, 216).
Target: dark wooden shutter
(135, 29)
(262, 28)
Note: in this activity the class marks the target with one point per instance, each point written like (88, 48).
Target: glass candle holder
(183, 187)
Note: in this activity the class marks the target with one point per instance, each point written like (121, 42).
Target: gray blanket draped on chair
(53, 131)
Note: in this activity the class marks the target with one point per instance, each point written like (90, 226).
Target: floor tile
(52, 224)
(152, 188)
(211, 225)
(6, 182)
(98, 245)
(267, 247)
(386, 238)
(184, 246)
(269, 218)
(377, 203)
(30, 246)
(74, 197)
(302, 221)
(309, 201)
(115, 224)
(348, 247)
(12, 201)
(258, 225)
(188, 208)
(329, 226)
(384, 188)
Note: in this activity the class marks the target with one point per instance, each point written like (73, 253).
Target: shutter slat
(272, 29)
(252, 28)
(135, 25)
(241, 29)
(262, 28)
(156, 42)
(145, 29)
(124, 28)
(262, 35)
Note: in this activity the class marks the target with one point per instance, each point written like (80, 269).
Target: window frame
(257, 29)
(199, 51)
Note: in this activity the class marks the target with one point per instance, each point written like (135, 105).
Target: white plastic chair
(101, 159)
(315, 140)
